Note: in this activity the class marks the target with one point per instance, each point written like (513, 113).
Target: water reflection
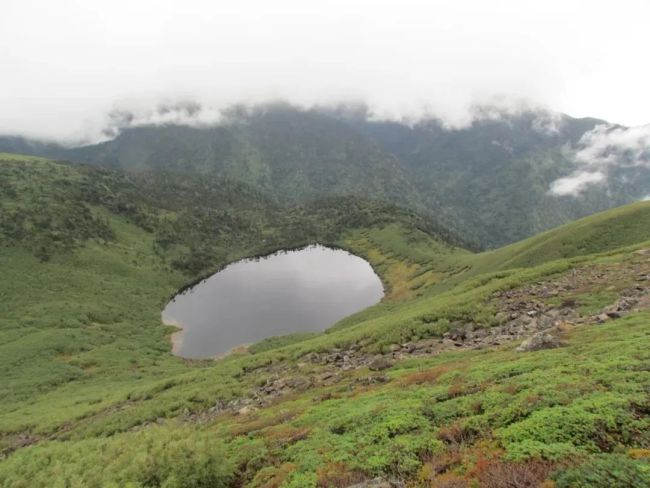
(296, 291)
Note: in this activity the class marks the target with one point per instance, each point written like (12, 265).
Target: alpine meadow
(184, 174)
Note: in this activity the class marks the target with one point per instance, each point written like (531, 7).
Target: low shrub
(606, 471)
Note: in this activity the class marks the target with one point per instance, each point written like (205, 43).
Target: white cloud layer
(67, 64)
(576, 183)
(602, 150)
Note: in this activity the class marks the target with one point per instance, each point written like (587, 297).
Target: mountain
(524, 363)
(489, 180)
(495, 174)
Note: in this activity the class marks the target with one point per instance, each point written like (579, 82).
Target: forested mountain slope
(490, 180)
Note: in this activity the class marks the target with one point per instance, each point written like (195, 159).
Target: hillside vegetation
(488, 182)
(425, 389)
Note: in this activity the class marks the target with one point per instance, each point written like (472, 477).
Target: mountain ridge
(491, 178)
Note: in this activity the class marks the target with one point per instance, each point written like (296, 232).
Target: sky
(67, 64)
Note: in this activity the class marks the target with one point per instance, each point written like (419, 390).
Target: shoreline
(176, 339)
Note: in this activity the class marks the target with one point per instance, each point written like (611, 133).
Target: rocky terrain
(540, 315)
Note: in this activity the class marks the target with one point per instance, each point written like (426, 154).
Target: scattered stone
(541, 340)
(522, 314)
(373, 379)
(380, 364)
(409, 347)
(457, 334)
(246, 410)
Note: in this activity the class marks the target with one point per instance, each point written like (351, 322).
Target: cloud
(181, 112)
(68, 63)
(576, 183)
(192, 113)
(600, 152)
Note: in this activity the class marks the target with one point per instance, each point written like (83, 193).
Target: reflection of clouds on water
(296, 291)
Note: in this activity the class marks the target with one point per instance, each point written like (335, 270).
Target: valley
(529, 361)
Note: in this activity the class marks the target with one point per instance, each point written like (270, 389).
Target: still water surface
(306, 290)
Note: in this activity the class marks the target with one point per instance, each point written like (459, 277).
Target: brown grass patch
(501, 474)
(255, 424)
(456, 434)
(449, 481)
(285, 435)
(429, 376)
(274, 477)
(337, 475)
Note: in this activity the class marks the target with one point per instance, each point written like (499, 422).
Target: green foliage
(156, 457)
(279, 341)
(47, 213)
(488, 181)
(89, 378)
(596, 423)
(602, 471)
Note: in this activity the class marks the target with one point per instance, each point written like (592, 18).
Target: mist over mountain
(507, 175)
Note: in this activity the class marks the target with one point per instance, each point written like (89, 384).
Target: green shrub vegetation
(91, 395)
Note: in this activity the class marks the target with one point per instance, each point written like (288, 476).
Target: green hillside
(433, 392)
(613, 229)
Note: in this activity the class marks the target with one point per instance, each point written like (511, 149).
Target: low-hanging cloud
(600, 152)
(67, 64)
(181, 112)
(192, 113)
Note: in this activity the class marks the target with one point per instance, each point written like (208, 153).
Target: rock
(409, 347)
(246, 410)
(380, 364)
(394, 347)
(502, 317)
(313, 357)
(373, 379)
(457, 334)
(603, 317)
(545, 322)
(541, 340)
(480, 334)
(330, 378)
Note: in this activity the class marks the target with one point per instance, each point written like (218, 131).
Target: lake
(305, 290)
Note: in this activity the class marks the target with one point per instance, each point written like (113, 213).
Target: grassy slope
(89, 370)
(80, 326)
(613, 229)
